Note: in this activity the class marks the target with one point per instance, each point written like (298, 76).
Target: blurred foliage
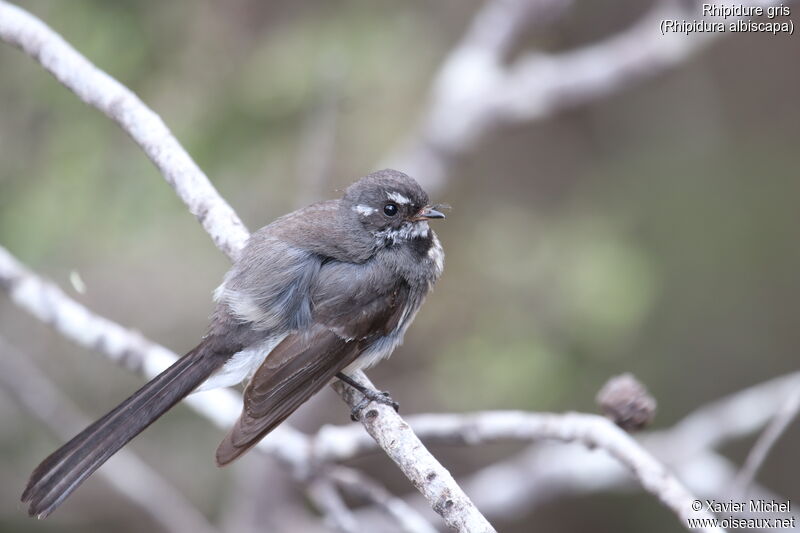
(652, 232)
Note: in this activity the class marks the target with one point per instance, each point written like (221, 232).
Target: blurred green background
(655, 231)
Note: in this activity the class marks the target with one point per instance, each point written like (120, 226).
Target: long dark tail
(66, 468)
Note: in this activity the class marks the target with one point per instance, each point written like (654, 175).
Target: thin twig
(323, 494)
(783, 418)
(737, 415)
(361, 485)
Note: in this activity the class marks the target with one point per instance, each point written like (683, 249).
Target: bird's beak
(428, 212)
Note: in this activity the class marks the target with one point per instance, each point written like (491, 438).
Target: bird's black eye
(390, 209)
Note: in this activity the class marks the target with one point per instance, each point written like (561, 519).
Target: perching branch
(707, 428)
(547, 472)
(592, 431)
(398, 441)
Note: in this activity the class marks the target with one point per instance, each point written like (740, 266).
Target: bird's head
(392, 206)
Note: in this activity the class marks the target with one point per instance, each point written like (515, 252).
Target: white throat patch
(407, 231)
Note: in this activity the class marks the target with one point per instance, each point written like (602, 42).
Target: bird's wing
(347, 318)
(268, 287)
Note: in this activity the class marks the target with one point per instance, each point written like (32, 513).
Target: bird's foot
(370, 395)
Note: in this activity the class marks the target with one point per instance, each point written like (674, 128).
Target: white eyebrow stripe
(364, 210)
(399, 198)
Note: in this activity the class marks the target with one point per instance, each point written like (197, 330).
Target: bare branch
(409, 520)
(783, 418)
(548, 472)
(327, 499)
(476, 91)
(687, 446)
(734, 416)
(128, 474)
(590, 430)
(396, 438)
(117, 102)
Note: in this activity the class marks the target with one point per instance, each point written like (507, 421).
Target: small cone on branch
(626, 402)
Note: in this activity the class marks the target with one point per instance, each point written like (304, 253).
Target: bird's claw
(369, 395)
(372, 396)
(388, 400)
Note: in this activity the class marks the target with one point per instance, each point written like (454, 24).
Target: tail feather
(66, 468)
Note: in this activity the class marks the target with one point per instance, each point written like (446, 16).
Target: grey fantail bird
(318, 293)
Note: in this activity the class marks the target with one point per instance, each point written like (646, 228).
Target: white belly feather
(241, 366)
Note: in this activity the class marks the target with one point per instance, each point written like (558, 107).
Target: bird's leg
(370, 395)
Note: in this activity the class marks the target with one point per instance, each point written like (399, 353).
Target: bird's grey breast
(418, 263)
